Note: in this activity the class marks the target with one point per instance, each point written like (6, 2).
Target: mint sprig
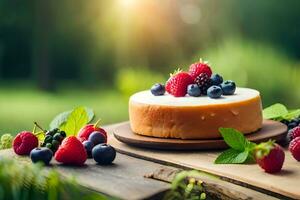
(75, 121)
(279, 112)
(241, 150)
(63, 117)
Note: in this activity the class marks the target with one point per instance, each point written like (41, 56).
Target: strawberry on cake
(194, 105)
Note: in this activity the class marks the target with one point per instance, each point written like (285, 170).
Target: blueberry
(58, 137)
(104, 154)
(296, 120)
(158, 89)
(214, 92)
(97, 137)
(41, 155)
(88, 145)
(228, 87)
(193, 90)
(292, 125)
(216, 79)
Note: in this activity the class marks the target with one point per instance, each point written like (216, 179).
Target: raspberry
(24, 142)
(295, 148)
(295, 132)
(204, 82)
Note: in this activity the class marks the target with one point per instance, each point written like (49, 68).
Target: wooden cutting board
(270, 130)
(285, 183)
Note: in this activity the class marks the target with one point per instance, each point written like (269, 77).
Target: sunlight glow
(128, 3)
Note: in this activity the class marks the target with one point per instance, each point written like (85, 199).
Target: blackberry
(204, 82)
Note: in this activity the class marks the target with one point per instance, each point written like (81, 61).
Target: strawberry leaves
(241, 150)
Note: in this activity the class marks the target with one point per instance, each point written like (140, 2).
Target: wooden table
(142, 174)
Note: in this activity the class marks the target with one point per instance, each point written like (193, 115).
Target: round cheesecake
(188, 117)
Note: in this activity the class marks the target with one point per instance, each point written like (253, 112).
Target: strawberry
(71, 152)
(178, 83)
(24, 142)
(200, 67)
(295, 132)
(85, 131)
(295, 148)
(269, 156)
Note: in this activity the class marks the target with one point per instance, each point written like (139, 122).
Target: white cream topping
(145, 97)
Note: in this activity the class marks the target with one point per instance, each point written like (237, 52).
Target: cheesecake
(189, 117)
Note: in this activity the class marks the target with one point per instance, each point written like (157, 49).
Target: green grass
(20, 105)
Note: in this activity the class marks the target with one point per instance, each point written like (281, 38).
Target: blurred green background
(55, 55)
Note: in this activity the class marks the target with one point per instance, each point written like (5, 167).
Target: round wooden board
(270, 130)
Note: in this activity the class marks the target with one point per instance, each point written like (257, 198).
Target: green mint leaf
(232, 156)
(90, 113)
(234, 138)
(292, 115)
(275, 111)
(76, 120)
(62, 118)
(59, 119)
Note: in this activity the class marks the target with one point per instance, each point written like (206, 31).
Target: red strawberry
(178, 83)
(71, 152)
(295, 148)
(269, 156)
(200, 67)
(85, 131)
(295, 132)
(24, 142)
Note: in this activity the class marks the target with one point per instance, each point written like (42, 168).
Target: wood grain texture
(124, 179)
(132, 178)
(285, 183)
(270, 130)
(217, 188)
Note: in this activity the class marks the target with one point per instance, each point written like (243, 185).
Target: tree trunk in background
(42, 46)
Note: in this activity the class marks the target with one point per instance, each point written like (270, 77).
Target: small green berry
(58, 137)
(63, 133)
(55, 144)
(49, 145)
(48, 138)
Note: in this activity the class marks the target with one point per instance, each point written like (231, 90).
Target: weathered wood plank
(284, 184)
(132, 178)
(217, 188)
(124, 179)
